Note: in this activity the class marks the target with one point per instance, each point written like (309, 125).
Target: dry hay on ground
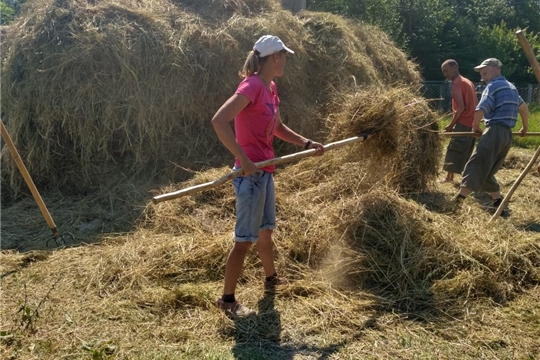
(342, 218)
(422, 261)
(129, 86)
(360, 257)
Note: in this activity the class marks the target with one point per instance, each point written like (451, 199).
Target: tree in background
(14, 4)
(9, 9)
(7, 13)
(431, 31)
(466, 30)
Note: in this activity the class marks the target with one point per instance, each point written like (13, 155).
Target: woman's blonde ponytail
(251, 65)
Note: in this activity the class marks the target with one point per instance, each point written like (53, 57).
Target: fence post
(441, 96)
(529, 94)
(294, 6)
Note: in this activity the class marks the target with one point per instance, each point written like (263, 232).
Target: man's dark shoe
(456, 202)
(495, 205)
(274, 281)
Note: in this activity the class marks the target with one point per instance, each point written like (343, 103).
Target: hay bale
(406, 142)
(225, 9)
(418, 152)
(90, 88)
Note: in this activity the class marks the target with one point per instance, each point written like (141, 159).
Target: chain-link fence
(440, 97)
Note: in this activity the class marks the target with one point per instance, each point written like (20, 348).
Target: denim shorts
(255, 205)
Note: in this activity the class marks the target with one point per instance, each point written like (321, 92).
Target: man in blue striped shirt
(499, 107)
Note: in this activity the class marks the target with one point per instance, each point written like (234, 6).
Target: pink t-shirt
(254, 126)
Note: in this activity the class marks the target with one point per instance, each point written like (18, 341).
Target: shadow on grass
(484, 200)
(532, 227)
(259, 337)
(435, 201)
(438, 202)
(79, 219)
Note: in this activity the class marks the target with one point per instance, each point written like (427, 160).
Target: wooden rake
(58, 238)
(452, 134)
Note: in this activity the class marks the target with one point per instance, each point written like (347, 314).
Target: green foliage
(7, 13)
(466, 30)
(534, 126)
(499, 42)
(380, 13)
(28, 316)
(14, 4)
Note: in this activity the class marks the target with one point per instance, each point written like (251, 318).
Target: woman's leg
(234, 265)
(249, 211)
(266, 253)
(268, 223)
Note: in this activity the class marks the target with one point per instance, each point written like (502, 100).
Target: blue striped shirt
(500, 101)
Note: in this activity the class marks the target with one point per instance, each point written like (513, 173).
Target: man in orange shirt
(464, 101)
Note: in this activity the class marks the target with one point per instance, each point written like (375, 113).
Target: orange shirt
(469, 98)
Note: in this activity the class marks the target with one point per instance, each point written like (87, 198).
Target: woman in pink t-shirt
(255, 110)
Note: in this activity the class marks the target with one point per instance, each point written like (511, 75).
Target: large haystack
(95, 88)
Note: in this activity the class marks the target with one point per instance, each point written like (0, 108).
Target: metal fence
(440, 96)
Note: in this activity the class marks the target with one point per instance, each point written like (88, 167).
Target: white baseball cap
(268, 45)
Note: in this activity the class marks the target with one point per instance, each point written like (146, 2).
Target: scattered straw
(127, 87)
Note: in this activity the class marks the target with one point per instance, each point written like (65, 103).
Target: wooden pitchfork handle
(516, 184)
(536, 69)
(529, 53)
(261, 164)
(29, 181)
(470, 133)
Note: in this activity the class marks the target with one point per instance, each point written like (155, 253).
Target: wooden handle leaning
(28, 179)
(529, 53)
(516, 184)
(478, 134)
(259, 165)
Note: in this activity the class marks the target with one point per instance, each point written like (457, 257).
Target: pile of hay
(420, 261)
(345, 222)
(93, 88)
(358, 235)
(405, 140)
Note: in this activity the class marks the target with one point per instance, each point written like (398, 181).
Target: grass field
(534, 126)
(416, 281)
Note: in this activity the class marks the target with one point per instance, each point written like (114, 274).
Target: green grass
(534, 126)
